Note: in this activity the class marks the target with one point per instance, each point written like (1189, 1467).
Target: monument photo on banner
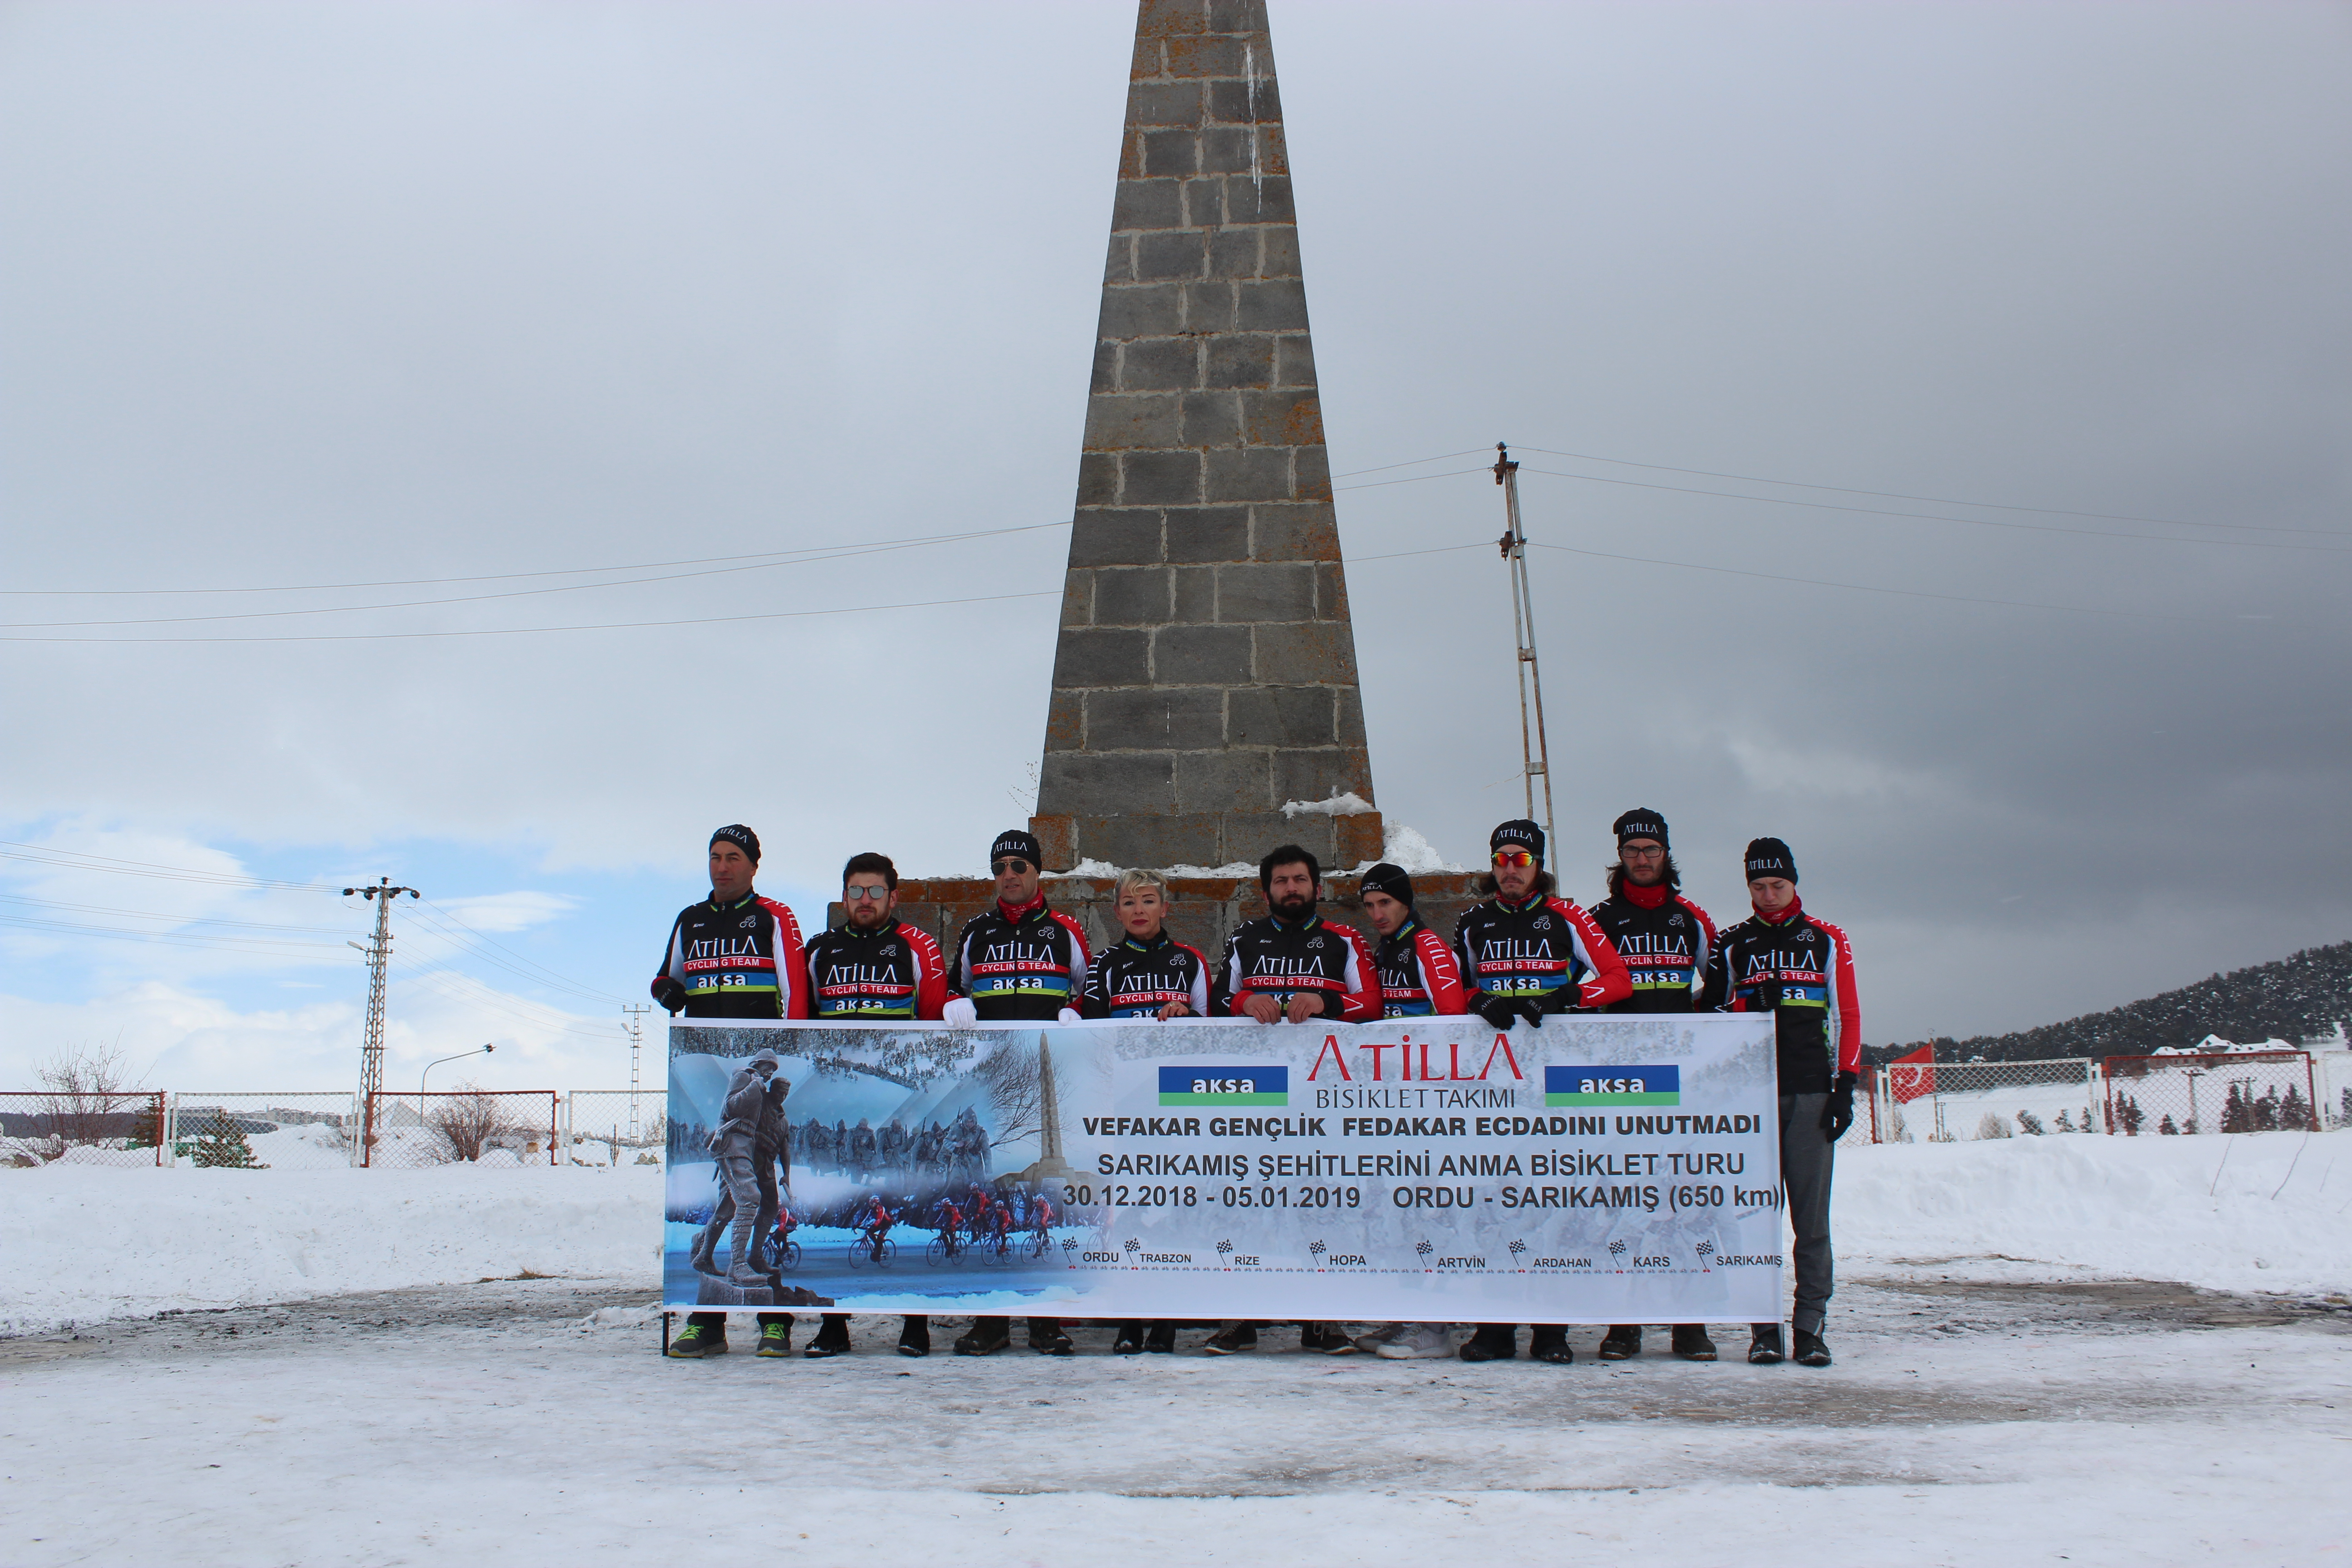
(1606, 1169)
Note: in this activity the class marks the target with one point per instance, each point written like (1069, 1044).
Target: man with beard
(1019, 962)
(1797, 967)
(734, 955)
(1665, 940)
(1289, 966)
(1526, 954)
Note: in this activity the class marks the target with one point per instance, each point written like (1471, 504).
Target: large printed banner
(1602, 1169)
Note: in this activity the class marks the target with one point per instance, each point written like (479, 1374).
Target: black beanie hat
(741, 836)
(1642, 823)
(1770, 858)
(1014, 841)
(1391, 880)
(1519, 835)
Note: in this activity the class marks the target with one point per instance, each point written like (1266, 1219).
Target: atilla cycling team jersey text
(1800, 970)
(1665, 940)
(1272, 957)
(1136, 976)
(1418, 976)
(893, 971)
(1545, 949)
(741, 960)
(1021, 964)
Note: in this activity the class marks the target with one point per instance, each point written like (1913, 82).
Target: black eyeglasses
(1009, 863)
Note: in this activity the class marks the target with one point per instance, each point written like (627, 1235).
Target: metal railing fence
(82, 1127)
(258, 1129)
(616, 1127)
(470, 1126)
(2243, 1091)
(1953, 1102)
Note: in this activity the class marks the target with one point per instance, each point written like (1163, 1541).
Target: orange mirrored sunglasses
(1514, 857)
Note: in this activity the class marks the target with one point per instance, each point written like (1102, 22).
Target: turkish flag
(1913, 1076)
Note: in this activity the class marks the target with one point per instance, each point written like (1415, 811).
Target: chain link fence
(2332, 1072)
(1956, 1102)
(465, 1126)
(253, 1130)
(616, 1127)
(2244, 1091)
(82, 1127)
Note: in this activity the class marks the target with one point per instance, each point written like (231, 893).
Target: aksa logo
(1612, 1086)
(1251, 1084)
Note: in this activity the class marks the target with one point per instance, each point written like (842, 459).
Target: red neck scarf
(1648, 897)
(1796, 907)
(1031, 908)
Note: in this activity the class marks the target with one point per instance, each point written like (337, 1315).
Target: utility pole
(372, 1051)
(636, 1040)
(1535, 751)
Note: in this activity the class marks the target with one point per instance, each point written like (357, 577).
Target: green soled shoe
(694, 1341)
(775, 1339)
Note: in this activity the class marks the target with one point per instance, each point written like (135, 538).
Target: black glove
(1838, 1114)
(1500, 1012)
(1532, 1011)
(1562, 999)
(670, 995)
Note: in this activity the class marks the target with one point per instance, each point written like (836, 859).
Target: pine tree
(222, 1145)
(2294, 1114)
(2166, 1127)
(2266, 1112)
(2064, 1123)
(2128, 1113)
(2031, 1124)
(2234, 1114)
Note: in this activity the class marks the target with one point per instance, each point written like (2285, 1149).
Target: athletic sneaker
(914, 1337)
(1492, 1342)
(986, 1337)
(831, 1338)
(775, 1339)
(1811, 1350)
(1691, 1342)
(1370, 1343)
(1622, 1342)
(1549, 1343)
(1764, 1344)
(1162, 1340)
(1130, 1339)
(694, 1341)
(1233, 1340)
(1328, 1338)
(1419, 1342)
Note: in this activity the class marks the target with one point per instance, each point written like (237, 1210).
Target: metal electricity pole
(1535, 751)
(636, 1040)
(379, 953)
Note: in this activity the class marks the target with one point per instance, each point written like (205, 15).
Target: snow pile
(1413, 853)
(2262, 1211)
(84, 1243)
(1338, 805)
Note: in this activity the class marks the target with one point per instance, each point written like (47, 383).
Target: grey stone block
(1164, 103)
(1263, 304)
(1209, 534)
(1295, 362)
(1249, 836)
(1105, 370)
(1282, 716)
(1209, 307)
(1132, 595)
(1149, 60)
(1225, 150)
(1350, 706)
(1235, 104)
(1310, 473)
(1289, 417)
(1243, 16)
(1097, 480)
(1249, 473)
(1279, 254)
(1170, 253)
(1115, 537)
(1155, 719)
(1066, 721)
(1260, 198)
(1208, 57)
(1134, 840)
(1204, 203)
(1170, 154)
(1196, 596)
(1211, 419)
(1331, 592)
(1224, 781)
(1160, 364)
(1295, 531)
(1141, 310)
(1118, 265)
(1151, 420)
(1170, 18)
(1087, 657)
(1148, 204)
(1310, 653)
(1078, 598)
(1106, 783)
(1266, 592)
(1199, 656)
(1160, 478)
(1314, 774)
(1246, 360)
(1233, 253)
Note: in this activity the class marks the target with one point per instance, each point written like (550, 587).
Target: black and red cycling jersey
(1543, 949)
(1019, 965)
(1418, 975)
(741, 960)
(1665, 940)
(892, 971)
(1800, 970)
(1136, 976)
(1270, 956)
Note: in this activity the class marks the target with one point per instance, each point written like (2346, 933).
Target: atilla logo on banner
(1253, 1083)
(1613, 1086)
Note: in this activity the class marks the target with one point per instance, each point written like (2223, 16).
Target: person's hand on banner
(1262, 1007)
(1838, 1114)
(959, 1013)
(1500, 1012)
(1533, 1011)
(1303, 1005)
(1069, 1015)
(670, 995)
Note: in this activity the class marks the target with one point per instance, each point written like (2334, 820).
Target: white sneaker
(1420, 1341)
(1370, 1343)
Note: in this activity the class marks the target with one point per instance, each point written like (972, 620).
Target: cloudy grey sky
(398, 295)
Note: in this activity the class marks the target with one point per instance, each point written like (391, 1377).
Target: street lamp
(460, 1056)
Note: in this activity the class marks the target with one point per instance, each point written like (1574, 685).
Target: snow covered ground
(2006, 1391)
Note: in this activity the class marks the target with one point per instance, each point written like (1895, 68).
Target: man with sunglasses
(1665, 940)
(874, 966)
(1019, 962)
(1526, 953)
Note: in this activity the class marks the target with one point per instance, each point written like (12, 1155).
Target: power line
(526, 968)
(176, 919)
(76, 860)
(1441, 457)
(170, 939)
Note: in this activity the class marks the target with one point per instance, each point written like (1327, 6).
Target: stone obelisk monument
(1206, 671)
